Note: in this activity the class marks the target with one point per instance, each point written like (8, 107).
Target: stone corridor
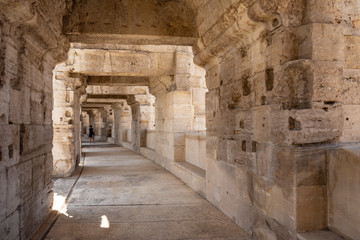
(122, 195)
(252, 104)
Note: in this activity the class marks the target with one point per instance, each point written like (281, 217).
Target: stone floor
(122, 195)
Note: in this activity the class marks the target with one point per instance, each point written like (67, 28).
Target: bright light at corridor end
(104, 222)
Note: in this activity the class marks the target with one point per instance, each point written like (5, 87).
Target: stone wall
(195, 149)
(30, 45)
(344, 191)
(278, 95)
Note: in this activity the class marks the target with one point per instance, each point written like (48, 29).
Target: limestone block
(182, 110)
(295, 84)
(213, 78)
(328, 42)
(276, 200)
(351, 120)
(26, 183)
(311, 208)
(199, 123)
(113, 63)
(182, 125)
(227, 72)
(212, 145)
(38, 174)
(319, 12)
(180, 97)
(4, 104)
(352, 49)
(350, 86)
(38, 107)
(344, 191)
(184, 62)
(212, 101)
(179, 153)
(211, 8)
(327, 80)
(198, 96)
(9, 145)
(196, 150)
(13, 189)
(320, 124)
(3, 195)
(33, 136)
(9, 227)
(310, 166)
(20, 106)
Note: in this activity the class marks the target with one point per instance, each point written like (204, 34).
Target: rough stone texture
(30, 45)
(344, 191)
(66, 123)
(282, 80)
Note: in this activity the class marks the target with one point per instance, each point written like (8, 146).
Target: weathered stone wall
(30, 45)
(278, 94)
(195, 149)
(66, 122)
(344, 191)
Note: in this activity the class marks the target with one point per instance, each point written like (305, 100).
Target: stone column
(122, 122)
(142, 110)
(66, 123)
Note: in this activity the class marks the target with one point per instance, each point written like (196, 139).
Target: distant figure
(91, 134)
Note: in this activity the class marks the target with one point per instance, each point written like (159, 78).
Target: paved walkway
(122, 195)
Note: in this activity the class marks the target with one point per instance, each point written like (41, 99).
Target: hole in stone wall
(269, 79)
(11, 151)
(347, 119)
(22, 138)
(242, 124)
(243, 146)
(67, 113)
(275, 22)
(61, 119)
(70, 121)
(245, 85)
(294, 124)
(263, 100)
(253, 146)
(0, 154)
(329, 102)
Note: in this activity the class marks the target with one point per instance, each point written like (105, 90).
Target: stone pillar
(122, 122)
(142, 110)
(66, 123)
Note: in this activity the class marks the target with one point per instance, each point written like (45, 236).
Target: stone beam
(89, 38)
(116, 90)
(117, 81)
(98, 62)
(106, 96)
